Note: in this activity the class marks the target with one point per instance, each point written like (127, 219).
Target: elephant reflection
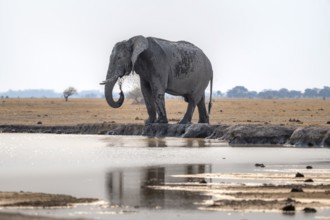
(156, 142)
(188, 142)
(191, 142)
(132, 187)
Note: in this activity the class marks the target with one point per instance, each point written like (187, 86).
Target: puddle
(139, 177)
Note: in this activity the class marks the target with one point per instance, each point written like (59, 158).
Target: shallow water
(118, 169)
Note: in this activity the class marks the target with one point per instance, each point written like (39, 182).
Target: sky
(259, 44)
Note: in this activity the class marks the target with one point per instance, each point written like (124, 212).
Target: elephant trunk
(108, 90)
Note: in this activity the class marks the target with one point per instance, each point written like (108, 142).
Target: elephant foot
(204, 121)
(162, 120)
(149, 121)
(184, 122)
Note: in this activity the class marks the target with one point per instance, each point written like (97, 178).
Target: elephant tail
(210, 103)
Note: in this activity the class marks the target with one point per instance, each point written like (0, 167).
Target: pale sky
(259, 44)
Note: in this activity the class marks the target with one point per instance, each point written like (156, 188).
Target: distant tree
(238, 92)
(252, 94)
(325, 92)
(218, 93)
(267, 94)
(295, 94)
(69, 92)
(311, 93)
(283, 93)
(136, 95)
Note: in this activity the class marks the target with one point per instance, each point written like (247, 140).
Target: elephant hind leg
(203, 115)
(190, 110)
(160, 107)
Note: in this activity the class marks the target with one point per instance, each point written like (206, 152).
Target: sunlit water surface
(117, 169)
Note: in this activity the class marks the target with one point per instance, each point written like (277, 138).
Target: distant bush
(136, 95)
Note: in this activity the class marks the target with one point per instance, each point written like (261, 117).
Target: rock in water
(297, 189)
(311, 137)
(309, 181)
(309, 210)
(289, 209)
(259, 165)
(257, 134)
(299, 175)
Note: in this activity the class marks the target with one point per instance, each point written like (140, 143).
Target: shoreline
(19, 201)
(245, 134)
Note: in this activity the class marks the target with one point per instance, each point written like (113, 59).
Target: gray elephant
(177, 68)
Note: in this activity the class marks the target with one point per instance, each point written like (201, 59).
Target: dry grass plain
(291, 112)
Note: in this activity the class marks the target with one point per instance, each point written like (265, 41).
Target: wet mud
(234, 134)
(19, 200)
(18, 216)
(266, 191)
(44, 200)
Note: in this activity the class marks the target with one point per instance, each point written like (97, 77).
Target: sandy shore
(51, 112)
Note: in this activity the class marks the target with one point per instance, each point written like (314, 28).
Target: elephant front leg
(149, 101)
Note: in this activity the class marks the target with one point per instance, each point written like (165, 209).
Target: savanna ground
(291, 112)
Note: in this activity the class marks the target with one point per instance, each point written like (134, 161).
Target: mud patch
(18, 216)
(31, 199)
(235, 135)
(269, 190)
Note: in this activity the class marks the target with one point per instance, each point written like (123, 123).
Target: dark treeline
(242, 92)
(236, 92)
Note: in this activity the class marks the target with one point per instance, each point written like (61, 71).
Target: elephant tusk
(109, 80)
(104, 82)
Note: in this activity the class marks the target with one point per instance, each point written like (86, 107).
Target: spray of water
(127, 83)
(130, 82)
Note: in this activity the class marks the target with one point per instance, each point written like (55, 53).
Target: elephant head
(122, 60)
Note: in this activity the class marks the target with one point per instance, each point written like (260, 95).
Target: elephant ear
(139, 44)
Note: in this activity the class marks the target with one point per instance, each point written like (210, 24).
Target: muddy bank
(36, 200)
(18, 216)
(264, 190)
(31, 199)
(233, 134)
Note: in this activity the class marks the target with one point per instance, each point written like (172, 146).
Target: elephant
(177, 68)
